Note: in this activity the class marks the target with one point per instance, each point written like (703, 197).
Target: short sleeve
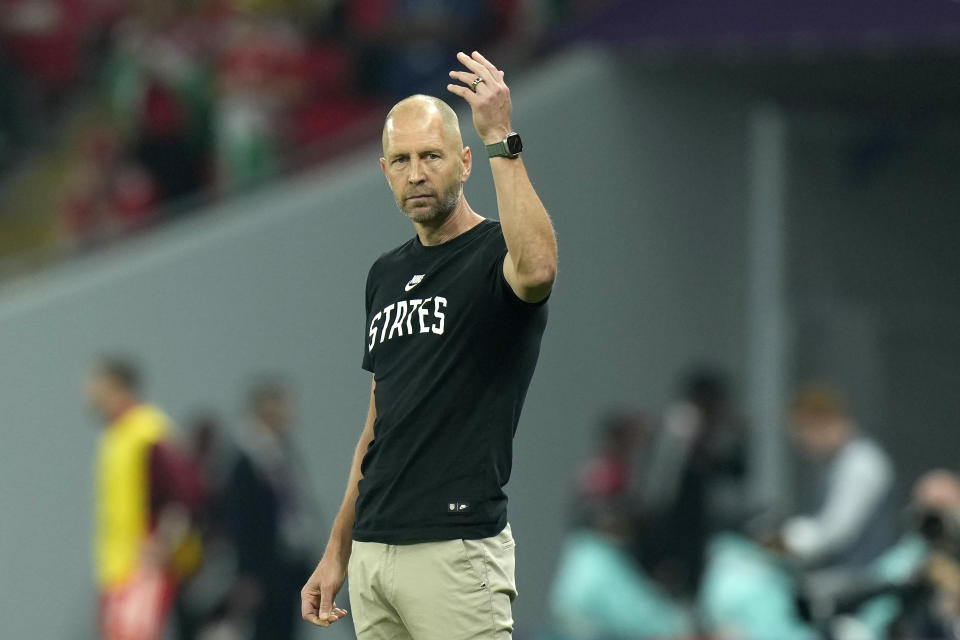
(367, 362)
(497, 252)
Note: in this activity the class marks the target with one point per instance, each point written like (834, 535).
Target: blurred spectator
(215, 96)
(46, 38)
(600, 593)
(159, 85)
(147, 491)
(273, 521)
(913, 589)
(107, 193)
(609, 473)
(258, 88)
(694, 481)
(203, 598)
(936, 514)
(851, 521)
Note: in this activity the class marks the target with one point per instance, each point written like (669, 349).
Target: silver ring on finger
(473, 86)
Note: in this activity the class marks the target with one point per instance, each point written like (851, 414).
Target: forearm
(341, 532)
(531, 264)
(531, 241)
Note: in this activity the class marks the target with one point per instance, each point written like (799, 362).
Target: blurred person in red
(201, 601)
(271, 516)
(146, 494)
(851, 519)
(609, 473)
(107, 193)
(47, 39)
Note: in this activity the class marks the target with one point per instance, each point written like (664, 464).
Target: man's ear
(467, 160)
(383, 166)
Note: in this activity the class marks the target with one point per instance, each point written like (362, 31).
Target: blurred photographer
(936, 516)
(913, 589)
(852, 520)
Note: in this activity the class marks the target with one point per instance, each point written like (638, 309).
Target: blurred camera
(940, 528)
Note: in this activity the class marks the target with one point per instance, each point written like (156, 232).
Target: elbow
(541, 278)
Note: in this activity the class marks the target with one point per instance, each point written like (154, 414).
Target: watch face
(514, 145)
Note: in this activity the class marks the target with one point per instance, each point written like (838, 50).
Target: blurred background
(745, 422)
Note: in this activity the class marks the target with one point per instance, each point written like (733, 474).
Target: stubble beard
(437, 214)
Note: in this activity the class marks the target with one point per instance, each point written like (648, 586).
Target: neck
(121, 408)
(460, 221)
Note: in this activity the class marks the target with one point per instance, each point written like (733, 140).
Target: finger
(326, 604)
(478, 68)
(463, 92)
(309, 605)
(464, 77)
(334, 613)
(489, 65)
(469, 79)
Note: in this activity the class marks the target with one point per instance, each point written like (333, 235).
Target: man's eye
(433, 156)
(399, 160)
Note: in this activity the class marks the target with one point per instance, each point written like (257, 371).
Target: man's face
(277, 412)
(819, 437)
(425, 166)
(101, 395)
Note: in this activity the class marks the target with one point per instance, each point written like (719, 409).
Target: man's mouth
(421, 197)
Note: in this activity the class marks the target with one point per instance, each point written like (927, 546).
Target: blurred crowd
(667, 541)
(171, 98)
(203, 532)
(206, 532)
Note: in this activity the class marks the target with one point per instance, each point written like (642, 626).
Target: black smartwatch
(509, 147)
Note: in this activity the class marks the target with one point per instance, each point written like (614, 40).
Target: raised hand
(487, 94)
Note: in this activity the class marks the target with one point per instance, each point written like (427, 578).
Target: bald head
(422, 113)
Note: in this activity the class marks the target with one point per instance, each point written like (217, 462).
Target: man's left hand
(489, 99)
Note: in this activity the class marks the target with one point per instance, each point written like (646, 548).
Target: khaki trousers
(448, 590)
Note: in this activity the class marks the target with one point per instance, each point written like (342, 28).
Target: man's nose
(415, 176)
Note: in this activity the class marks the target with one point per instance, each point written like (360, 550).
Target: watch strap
(498, 149)
(501, 149)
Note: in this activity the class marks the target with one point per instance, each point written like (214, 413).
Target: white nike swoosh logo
(413, 282)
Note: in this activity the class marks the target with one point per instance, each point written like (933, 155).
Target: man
(146, 491)
(270, 515)
(693, 475)
(454, 322)
(851, 523)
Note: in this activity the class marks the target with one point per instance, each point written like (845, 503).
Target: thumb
(326, 602)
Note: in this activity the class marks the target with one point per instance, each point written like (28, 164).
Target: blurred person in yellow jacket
(146, 494)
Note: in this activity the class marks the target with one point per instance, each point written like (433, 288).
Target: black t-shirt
(452, 349)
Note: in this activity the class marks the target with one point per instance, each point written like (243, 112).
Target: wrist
(337, 553)
(340, 545)
(496, 135)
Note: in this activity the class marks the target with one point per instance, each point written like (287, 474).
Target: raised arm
(531, 263)
(317, 596)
